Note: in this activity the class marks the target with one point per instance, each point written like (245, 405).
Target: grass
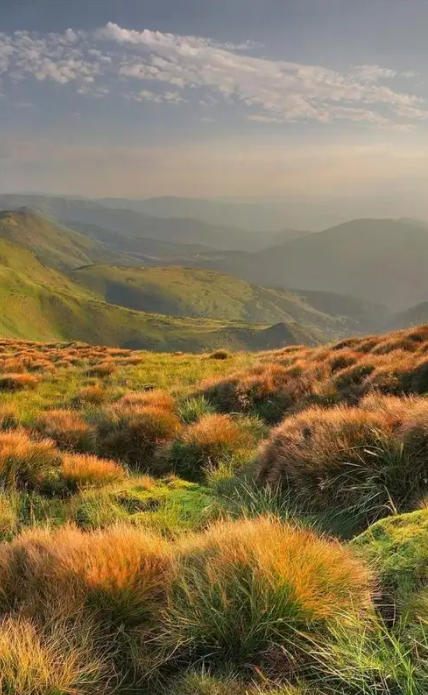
(235, 566)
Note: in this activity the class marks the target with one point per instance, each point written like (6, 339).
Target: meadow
(214, 524)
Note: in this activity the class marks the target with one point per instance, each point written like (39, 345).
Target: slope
(380, 261)
(191, 292)
(39, 303)
(53, 245)
(128, 224)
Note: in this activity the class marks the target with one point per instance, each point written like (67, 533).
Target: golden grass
(17, 382)
(67, 428)
(27, 464)
(157, 398)
(82, 471)
(247, 588)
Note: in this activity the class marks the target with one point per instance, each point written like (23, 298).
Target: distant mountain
(265, 219)
(411, 317)
(178, 291)
(40, 303)
(381, 261)
(133, 226)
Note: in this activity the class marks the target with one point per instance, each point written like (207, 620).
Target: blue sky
(214, 97)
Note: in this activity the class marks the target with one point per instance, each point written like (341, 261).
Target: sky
(215, 98)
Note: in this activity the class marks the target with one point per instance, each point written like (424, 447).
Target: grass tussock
(84, 471)
(26, 464)
(17, 382)
(248, 590)
(68, 429)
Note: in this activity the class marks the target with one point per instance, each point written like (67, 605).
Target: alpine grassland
(223, 523)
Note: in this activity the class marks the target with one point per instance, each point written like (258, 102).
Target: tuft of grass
(194, 408)
(83, 471)
(247, 590)
(17, 382)
(26, 464)
(68, 429)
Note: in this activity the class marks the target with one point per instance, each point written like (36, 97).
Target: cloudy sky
(214, 97)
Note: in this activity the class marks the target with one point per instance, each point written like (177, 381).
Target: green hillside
(51, 243)
(40, 303)
(196, 293)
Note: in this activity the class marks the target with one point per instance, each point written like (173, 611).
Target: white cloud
(206, 72)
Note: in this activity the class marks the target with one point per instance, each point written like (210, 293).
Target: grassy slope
(42, 304)
(53, 245)
(178, 291)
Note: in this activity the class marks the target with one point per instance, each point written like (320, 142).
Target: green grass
(195, 293)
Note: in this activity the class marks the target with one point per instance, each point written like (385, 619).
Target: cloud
(177, 69)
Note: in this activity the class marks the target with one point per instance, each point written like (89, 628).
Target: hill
(380, 261)
(178, 291)
(215, 524)
(264, 219)
(40, 303)
(413, 316)
(129, 225)
(53, 244)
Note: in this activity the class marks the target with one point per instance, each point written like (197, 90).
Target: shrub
(83, 471)
(68, 429)
(132, 435)
(17, 382)
(207, 442)
(27, 464)
(248, 590)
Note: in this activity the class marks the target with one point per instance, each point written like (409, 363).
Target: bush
(79, 472)
(27, 464)
(248, 590)
(68, 429)
(133, 434)
(17, 382)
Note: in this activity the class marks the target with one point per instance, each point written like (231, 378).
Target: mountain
(413, 316)
(52, 244)
(382, 261)
(40, 303)
(129, 225)
(251, 215)
(178, 291)
(368, 316)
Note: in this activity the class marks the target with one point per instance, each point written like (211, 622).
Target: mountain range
(144, 275)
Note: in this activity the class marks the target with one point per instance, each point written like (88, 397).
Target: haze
(320, 104)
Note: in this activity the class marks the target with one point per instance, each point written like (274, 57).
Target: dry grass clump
(9, 416)
(219, 355)
(155, 398)
(80, 471)
(119, 575)
(251, 591)
(94, 394)
(209, 442)
(68, 429)
(17, 382)
(133, 434)
(26, 464)
(32, 663)
(102, 369)
(362, 462)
